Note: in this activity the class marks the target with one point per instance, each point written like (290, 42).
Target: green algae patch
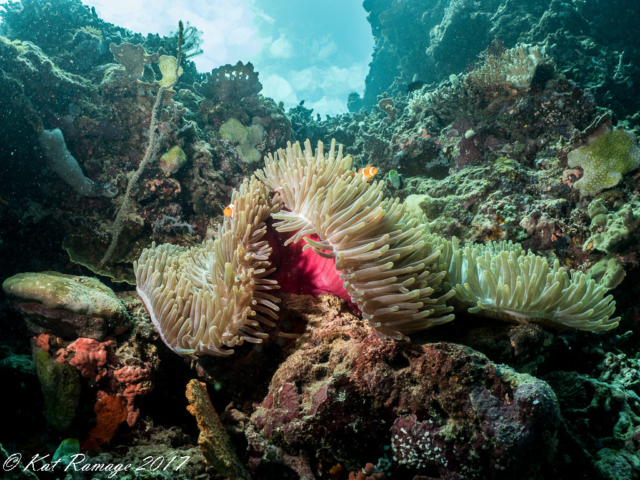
(244, 138)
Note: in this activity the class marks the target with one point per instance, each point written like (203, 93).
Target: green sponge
(244, 138)
(605, 161)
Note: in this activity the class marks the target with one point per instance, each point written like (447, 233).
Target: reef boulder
(441, 410)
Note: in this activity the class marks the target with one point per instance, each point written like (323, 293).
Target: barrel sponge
(605, 160)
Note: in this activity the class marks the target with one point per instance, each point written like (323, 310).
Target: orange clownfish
(367, 172)
(229, 211)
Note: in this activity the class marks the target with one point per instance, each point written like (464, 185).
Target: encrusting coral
(203, 299)
(499, 280)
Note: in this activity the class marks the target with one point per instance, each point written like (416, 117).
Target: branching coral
(499, 280)
(206, 299)
(383, 253)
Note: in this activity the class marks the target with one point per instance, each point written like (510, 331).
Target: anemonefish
(367, 173)
(229, 211)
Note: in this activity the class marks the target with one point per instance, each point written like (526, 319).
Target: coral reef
(492, 122)
(346, 394)
(69, 80)
(152, 148)
(584, 40)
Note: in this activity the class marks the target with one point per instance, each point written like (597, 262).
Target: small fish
(367, 173)
(413, 86)
(229, 211)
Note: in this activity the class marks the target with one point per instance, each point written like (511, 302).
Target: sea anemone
(206, 299)
(499, 280)
(383, 254)
(210, 298)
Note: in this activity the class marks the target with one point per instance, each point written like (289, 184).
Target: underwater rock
(65, 305)
(425, 408)
(60, 385)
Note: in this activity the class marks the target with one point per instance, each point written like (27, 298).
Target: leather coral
(205, 300)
